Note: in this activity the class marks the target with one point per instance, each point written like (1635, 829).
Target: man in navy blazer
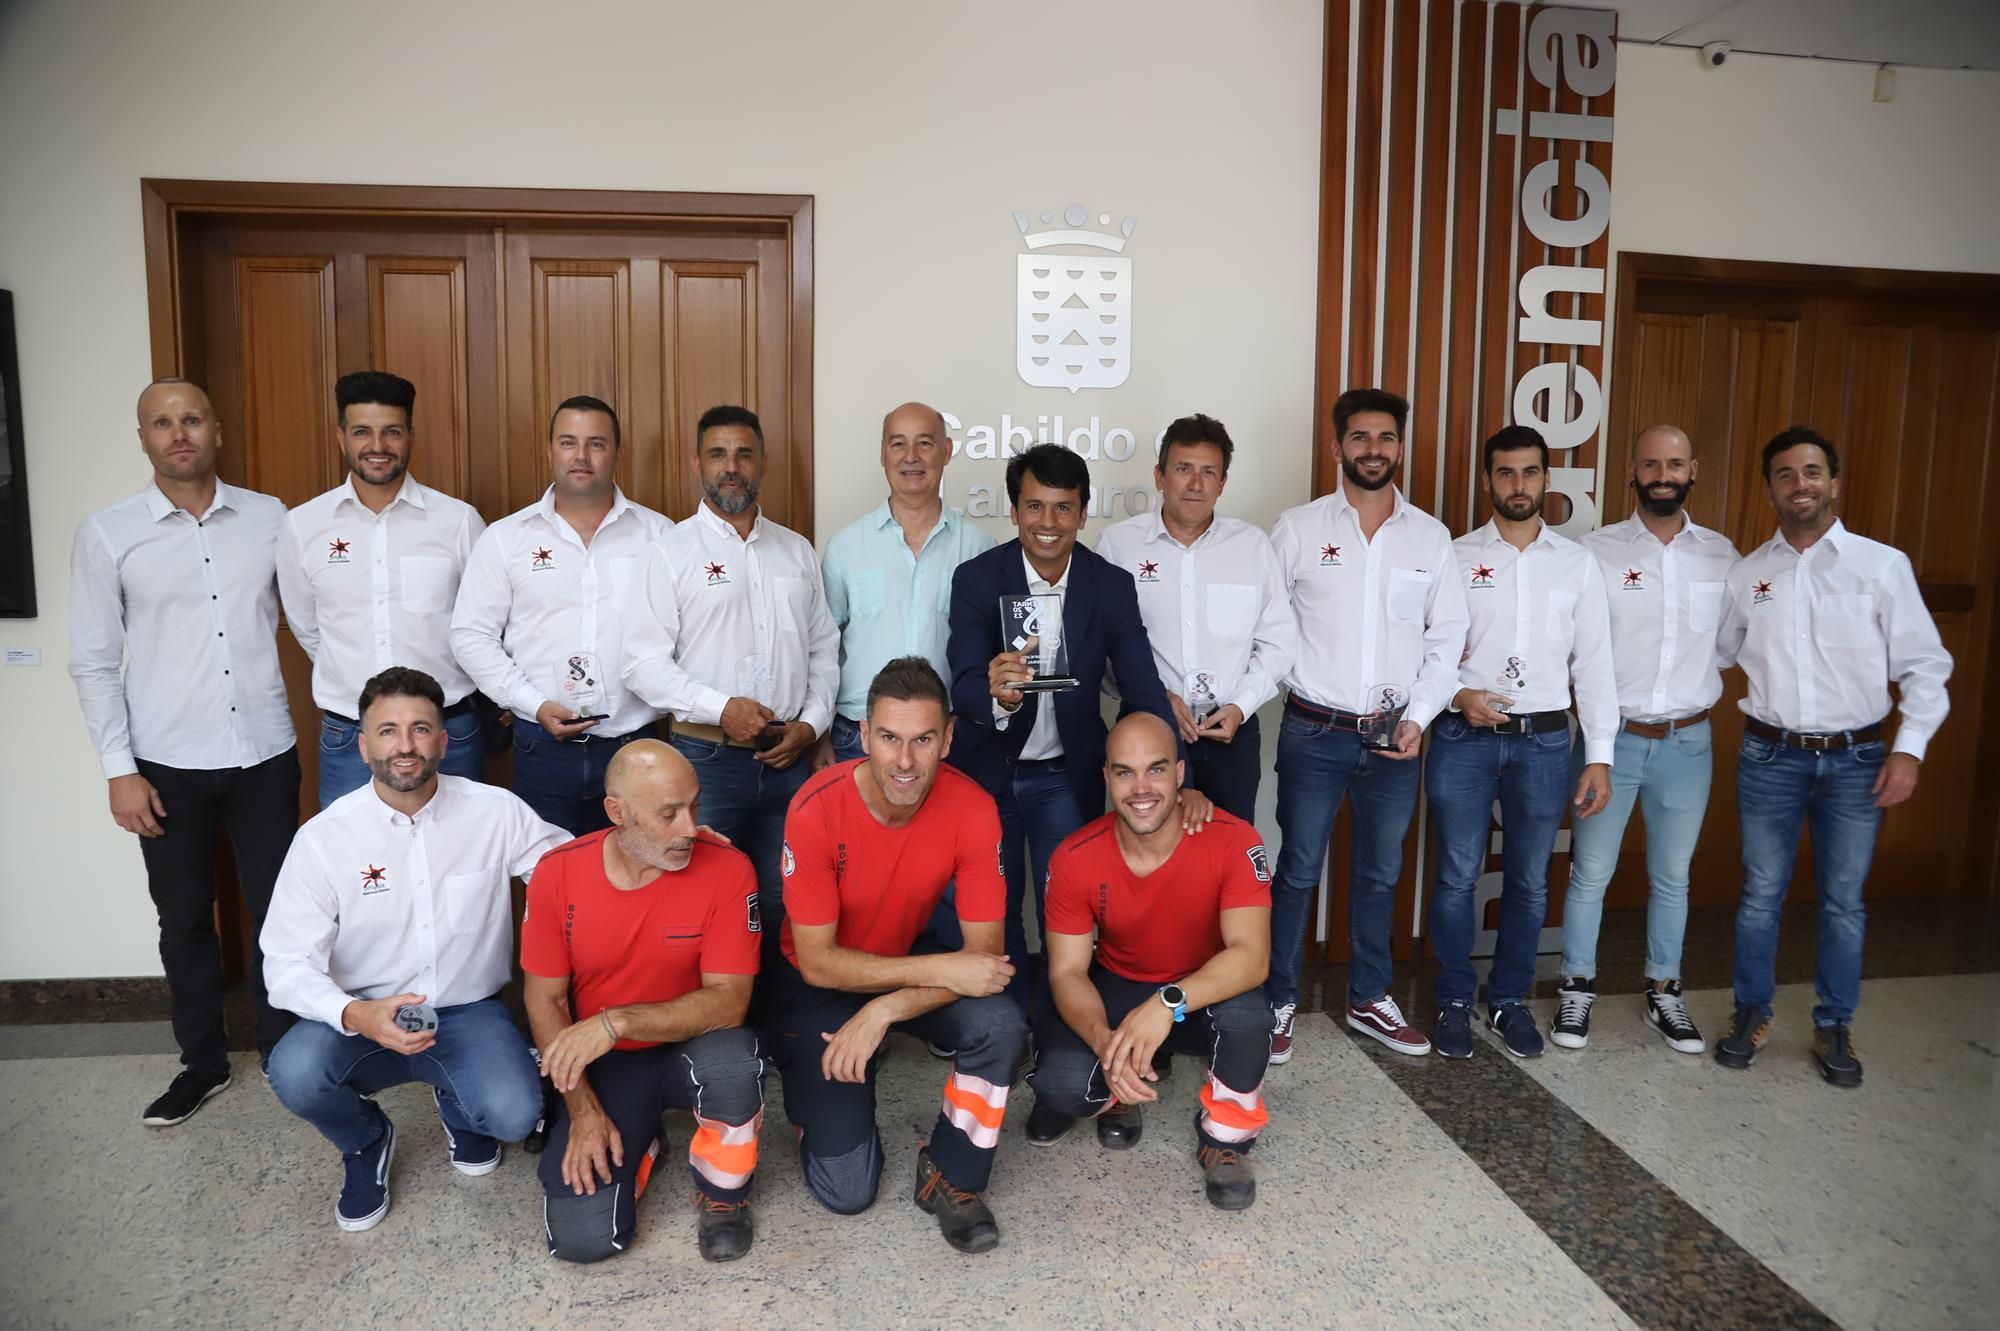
(1041, 755)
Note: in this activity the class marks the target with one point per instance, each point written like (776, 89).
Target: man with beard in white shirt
(1822, 621)
(1370, 578)
(391, 933)
(728, 630)
(368, 572)
(539, 625)
(1539, 633)
(1663, 577)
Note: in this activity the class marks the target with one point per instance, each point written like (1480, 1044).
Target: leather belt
(1330, 717)
(712, 734)
(1813, 743)
(1528, 723)
(459, 708)
(1662, 729)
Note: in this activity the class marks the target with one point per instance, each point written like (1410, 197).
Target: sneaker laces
(1283, 1013)
(715, 1206)
(1673, 1011)
(1385, 1008)
(937, 1182)
(1575, 1009)
(1213, 1156)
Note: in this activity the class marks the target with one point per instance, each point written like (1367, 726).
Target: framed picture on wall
(17, 556)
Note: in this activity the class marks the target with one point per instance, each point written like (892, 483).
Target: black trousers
(1229, 773)
(259, 808)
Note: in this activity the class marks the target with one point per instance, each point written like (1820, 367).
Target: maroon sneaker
(1281, 1033)
(1383, 1020)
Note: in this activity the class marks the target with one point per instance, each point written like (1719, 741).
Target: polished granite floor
(1623, 1186)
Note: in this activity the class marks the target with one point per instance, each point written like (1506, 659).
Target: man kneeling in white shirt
(391, 932)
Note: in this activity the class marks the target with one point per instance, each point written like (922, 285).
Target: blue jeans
(1777, 789)
(1317, 768)
(1229, 773)
(846, 739)
(1529, 774)
(1668, 778)
(485, 1076)
(341, 768)
(1038, 808)
(747, 802)
(563, 780)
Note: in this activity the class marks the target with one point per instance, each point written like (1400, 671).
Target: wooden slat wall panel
(1432, 269)
(1402, 202)
(1455, 388)
(1367, 169)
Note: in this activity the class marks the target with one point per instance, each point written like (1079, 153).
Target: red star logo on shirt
(1634, 578)
(1761, 592)
(544, 556)
(337, 547)
(1482, 575)
(372, 876)
(1329, 552)
(716, 572)
(1149, 568)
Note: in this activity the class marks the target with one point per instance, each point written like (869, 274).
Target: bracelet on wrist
(604, 1015)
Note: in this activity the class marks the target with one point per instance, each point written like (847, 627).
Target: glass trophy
(581, 685)
(1509, 685)
(756, 681)
(1032, 626)
(1199, 694)
(1386, 705)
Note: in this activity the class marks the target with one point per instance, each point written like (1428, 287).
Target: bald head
(1142, 772)
(912, 418)
(160, 390)
(1137, 736)
(644, 767)
(915, 448)
(179, 435)
(652, 795)
(1662, 437)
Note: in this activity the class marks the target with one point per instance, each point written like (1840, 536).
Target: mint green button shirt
(889, 602)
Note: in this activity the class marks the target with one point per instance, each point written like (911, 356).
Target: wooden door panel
(582, 343)
(1859, 394)
(1764, 359)
(418, 329)
(1946, 544)
(287, 353)
(711, 352)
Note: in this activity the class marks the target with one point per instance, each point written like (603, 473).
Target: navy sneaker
(1452, 1036)
(364, 1197)
(472, 1153)
(1516, 1028)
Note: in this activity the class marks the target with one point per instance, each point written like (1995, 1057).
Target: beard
(385, 772)
(1663, 506)
(668, 854)
(1360, 480)
(730, 504)
(1517, 508)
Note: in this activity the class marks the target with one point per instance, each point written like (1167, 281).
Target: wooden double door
(1901, 370)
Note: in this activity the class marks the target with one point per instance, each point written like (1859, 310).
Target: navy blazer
(1101, 626)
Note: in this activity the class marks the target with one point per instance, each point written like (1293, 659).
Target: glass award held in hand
(1200, 694)
(1386, 705)
(1508, 686)
(580, 683)
(1032, 626)
(755, 681)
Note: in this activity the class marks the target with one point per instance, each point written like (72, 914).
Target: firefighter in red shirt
(639, 949)
(870, 846)
(1183, 927)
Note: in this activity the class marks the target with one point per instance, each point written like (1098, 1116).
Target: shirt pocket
(1562, 615)
(793, 595)
(1409, 590)
(1844, 621)
(1705, 606)
(867, 594)
(1232, 609)
(426, 583)
(475, 900)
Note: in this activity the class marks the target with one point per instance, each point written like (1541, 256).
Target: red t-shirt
(881, 884)
(1167, 925)
(649, 945)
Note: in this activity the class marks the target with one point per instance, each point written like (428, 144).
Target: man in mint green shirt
(888, 576)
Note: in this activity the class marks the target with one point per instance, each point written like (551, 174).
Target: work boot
(1047, 1125)
(962, 1217)
(722, 1229)
(1119, 1126)
(1833, 1050)
(1227, 1178)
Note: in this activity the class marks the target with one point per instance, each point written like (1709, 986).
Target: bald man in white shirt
(1822, 622)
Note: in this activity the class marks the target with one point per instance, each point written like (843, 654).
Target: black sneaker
(722, 1229)
(1667, 1014)
(472, 1154)
(1833, 1050)
(1747, 1033)
(1452, 1036)
(1118, 1127)
(1047, 1126)
(962, 1217)
(1516, 1028)
(189, 1091)
(1572, 1028)
(364, 1196)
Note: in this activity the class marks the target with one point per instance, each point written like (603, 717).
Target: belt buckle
(1816, 743)
(1513, 725)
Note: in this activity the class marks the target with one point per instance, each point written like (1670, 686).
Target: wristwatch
(1176, 1001)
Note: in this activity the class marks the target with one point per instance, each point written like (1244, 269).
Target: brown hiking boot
(962, 1217)
(722, 1229)
(1227, 1177)
(1747, 1034)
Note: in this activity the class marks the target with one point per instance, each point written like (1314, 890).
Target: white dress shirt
(1218, 605)
(1385, 611)
(1821, 634)
(1044, 738)
(364, 591)
(371, 902)
(718, 616)
(533, 596)
(1666, 605)
(189, 605)
(1539, 626)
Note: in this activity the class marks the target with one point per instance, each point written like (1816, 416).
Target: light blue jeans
(1668, 779)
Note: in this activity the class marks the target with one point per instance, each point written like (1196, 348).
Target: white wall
(919, 128)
